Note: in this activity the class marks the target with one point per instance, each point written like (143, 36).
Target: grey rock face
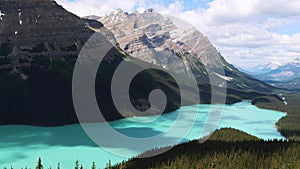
(161, 40)
(167, 41)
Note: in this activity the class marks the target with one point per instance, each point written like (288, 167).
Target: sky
(246, 32)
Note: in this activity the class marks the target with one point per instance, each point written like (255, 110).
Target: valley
(36, 77)
(279, 75)
(103, 91)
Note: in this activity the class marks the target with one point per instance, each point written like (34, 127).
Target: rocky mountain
(261, 69)
(286, 72)
(40, 30)
(153, 38)
(39, 44)
(285, 76)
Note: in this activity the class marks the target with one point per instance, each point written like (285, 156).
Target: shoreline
(289, 125)
(275, 125)
(193, 136)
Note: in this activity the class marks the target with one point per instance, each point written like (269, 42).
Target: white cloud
(247, 32)
(175, 7)
(222, 12)
(99, 7)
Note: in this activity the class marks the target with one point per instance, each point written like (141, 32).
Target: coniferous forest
(227, 148)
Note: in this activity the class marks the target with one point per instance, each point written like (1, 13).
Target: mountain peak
(156, 32)
(150, 10)
(167, 41)
(283, 72)
(119, 10)
(273, 65)
(296, 61)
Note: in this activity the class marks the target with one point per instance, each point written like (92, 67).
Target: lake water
(21, 146)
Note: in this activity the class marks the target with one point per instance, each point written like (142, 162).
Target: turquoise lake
(21, 146)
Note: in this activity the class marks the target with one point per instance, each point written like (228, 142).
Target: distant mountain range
(284, 72)
(279, 75)
(40, 42)
(261, 69)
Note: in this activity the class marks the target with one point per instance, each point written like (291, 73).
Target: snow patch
(224, 77)
(1, 15)
(20, 20)
(24, 77)
(221, 84)
(196, 44)
(229, 68)
(273, 65)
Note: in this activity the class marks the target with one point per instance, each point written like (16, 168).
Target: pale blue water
(22, 145)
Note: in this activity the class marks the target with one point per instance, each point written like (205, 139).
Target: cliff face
(141, 33)
(26, 24)
(31, 30)
(156, 39)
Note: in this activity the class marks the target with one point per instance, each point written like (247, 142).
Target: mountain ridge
(285, 76)
(150, 36)
(261, 69)
(37, 63)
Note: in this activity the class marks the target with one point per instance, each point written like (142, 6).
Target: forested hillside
(227, 148)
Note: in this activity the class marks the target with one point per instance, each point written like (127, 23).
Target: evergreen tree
(108, 165)
(77, 164)
(122, 166)
(93, 165)
(39, 165)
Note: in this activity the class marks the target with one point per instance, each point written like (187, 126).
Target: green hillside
(226, 148)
